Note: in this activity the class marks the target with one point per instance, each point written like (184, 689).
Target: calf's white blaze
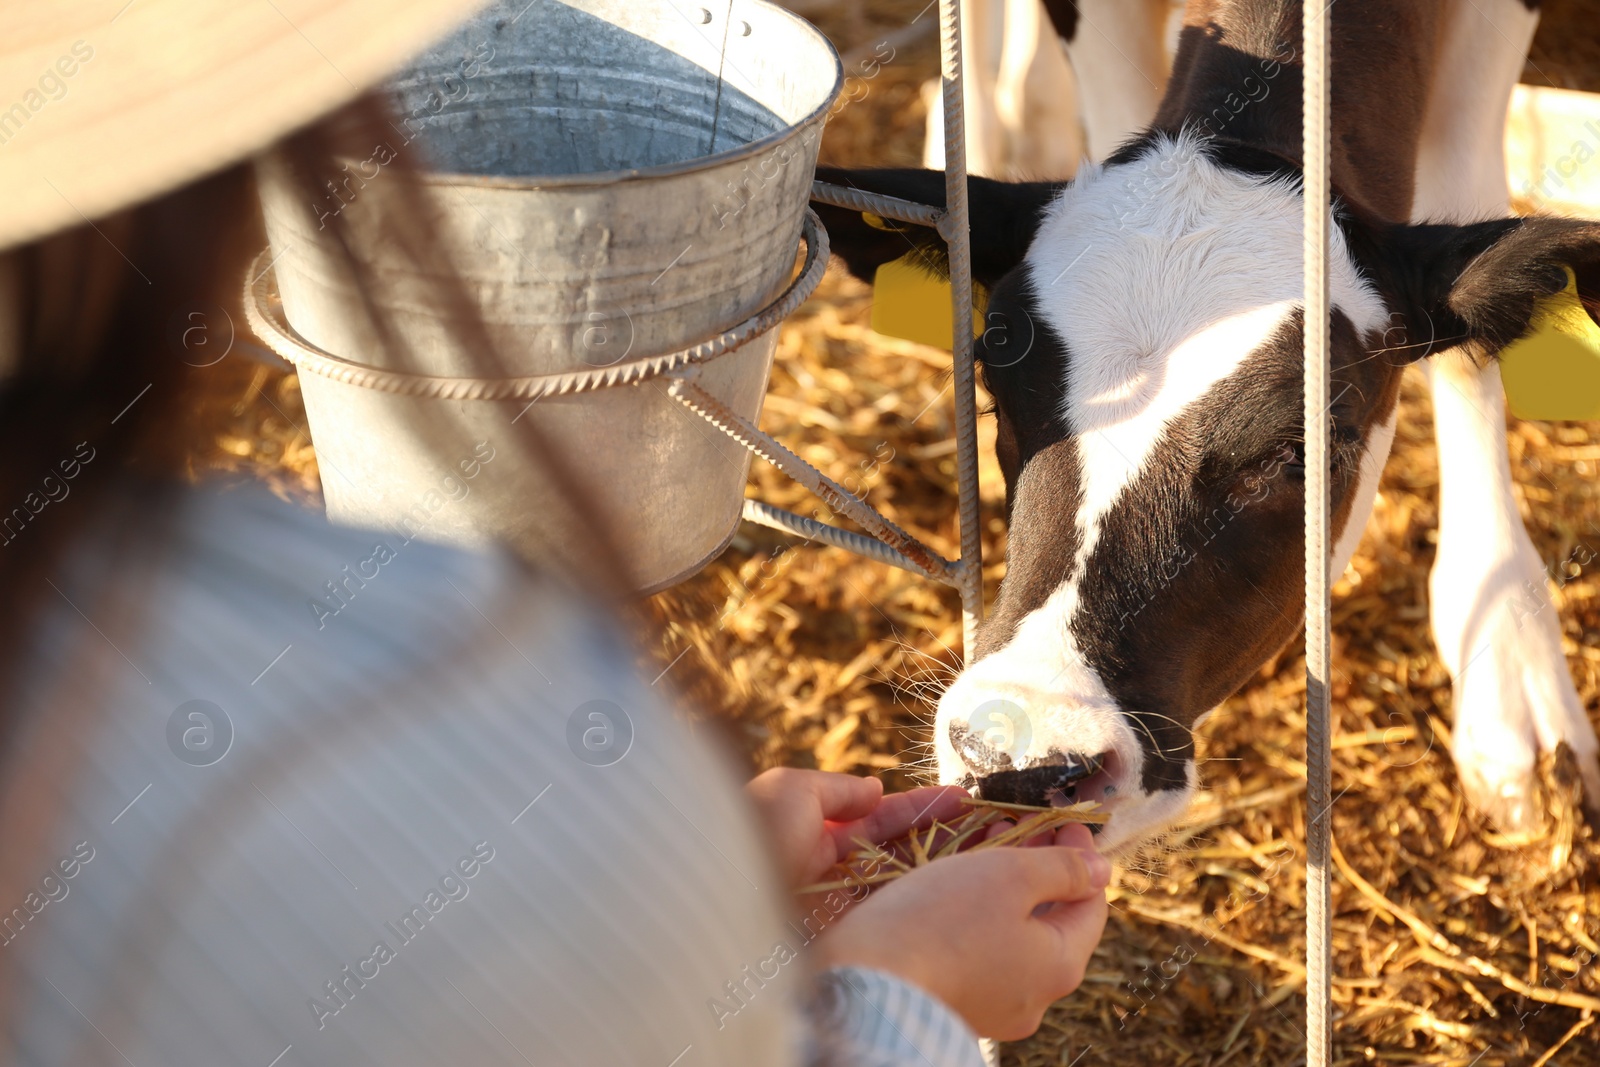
(1162, 276)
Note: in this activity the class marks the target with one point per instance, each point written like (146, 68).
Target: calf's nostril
(977, 754)
(1052, 781)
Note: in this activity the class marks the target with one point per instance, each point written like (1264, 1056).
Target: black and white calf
(1143, 347)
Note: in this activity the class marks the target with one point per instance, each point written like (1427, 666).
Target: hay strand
(874, 864)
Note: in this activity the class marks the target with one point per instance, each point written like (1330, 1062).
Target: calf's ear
(1004, 218)
(1479, 282)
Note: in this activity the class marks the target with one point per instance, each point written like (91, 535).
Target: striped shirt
(275, 793)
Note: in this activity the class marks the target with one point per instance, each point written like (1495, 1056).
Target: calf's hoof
(1515, 707)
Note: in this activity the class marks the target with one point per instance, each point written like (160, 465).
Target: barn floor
(1446, 933)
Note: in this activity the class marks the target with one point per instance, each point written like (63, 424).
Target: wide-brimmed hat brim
(106, 103)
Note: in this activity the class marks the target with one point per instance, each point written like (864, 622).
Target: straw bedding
(1453, 945)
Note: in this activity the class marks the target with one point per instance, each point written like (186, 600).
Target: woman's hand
(998, 935)
(814, 817)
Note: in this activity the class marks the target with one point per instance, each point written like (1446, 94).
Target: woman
(445, 824)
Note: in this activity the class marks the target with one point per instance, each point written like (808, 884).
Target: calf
(1143, 348)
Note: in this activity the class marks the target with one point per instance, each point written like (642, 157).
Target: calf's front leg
(1514, 698)
(1494, 619)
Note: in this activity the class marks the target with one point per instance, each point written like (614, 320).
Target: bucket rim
(665, 170)
(264, 314)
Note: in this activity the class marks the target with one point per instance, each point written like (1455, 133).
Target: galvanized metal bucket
(615, 180)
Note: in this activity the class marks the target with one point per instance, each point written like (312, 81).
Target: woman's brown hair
(104, 318)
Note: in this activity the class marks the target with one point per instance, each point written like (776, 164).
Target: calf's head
(1142, 344)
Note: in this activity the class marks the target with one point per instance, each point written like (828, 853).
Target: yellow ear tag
(910, 303)
(1554, 372)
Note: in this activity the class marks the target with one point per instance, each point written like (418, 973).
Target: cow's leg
(1036, 98)
(1021, 101)
(1493, 617)
(1514, 697)
(1032, 115)
(1119, 54)
(982, 43)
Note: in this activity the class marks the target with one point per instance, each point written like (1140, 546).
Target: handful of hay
(873, 864)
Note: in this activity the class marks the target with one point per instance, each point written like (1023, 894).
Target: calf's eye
(1290, 456)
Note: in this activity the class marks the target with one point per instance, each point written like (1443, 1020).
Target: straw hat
(105, 103)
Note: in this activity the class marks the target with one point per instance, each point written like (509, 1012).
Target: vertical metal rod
(955, 227)
(956, 231)
(1319, 754)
